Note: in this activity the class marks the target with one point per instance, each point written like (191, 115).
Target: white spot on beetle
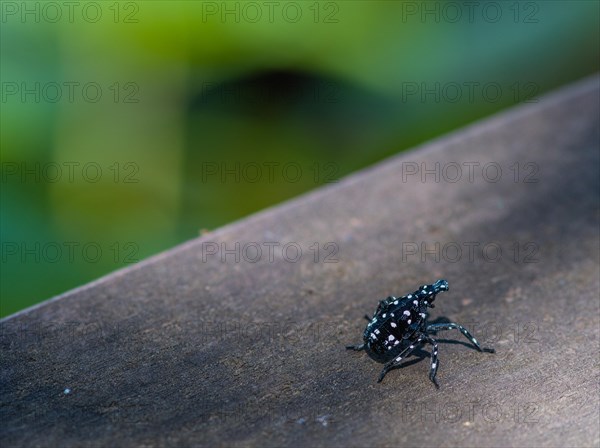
(415, 302)
(407, 313)
(394, 325)
(391, 337)
(433, 365)
(384, 315)
(395, 302)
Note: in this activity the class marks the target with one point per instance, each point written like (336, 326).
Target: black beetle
(399, 326)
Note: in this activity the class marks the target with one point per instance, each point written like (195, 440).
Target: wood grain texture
(187, 350)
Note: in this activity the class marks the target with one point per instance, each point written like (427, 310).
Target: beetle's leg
(357, 347)
(463, 330)
(398, 359)
(366, 316)
(434, 359)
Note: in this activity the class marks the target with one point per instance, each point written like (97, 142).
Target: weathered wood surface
(181, 351)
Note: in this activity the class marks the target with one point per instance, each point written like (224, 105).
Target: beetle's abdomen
(390, 332)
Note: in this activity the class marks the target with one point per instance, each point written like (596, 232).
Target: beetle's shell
(394, 322)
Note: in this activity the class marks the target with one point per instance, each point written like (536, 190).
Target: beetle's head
(427, 293)
(439, 286)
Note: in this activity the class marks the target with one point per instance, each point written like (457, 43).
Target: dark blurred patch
(337, 110)
(268, 93)
(320, 127)
(273, 92)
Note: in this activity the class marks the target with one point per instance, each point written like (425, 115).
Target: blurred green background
(129, 127)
